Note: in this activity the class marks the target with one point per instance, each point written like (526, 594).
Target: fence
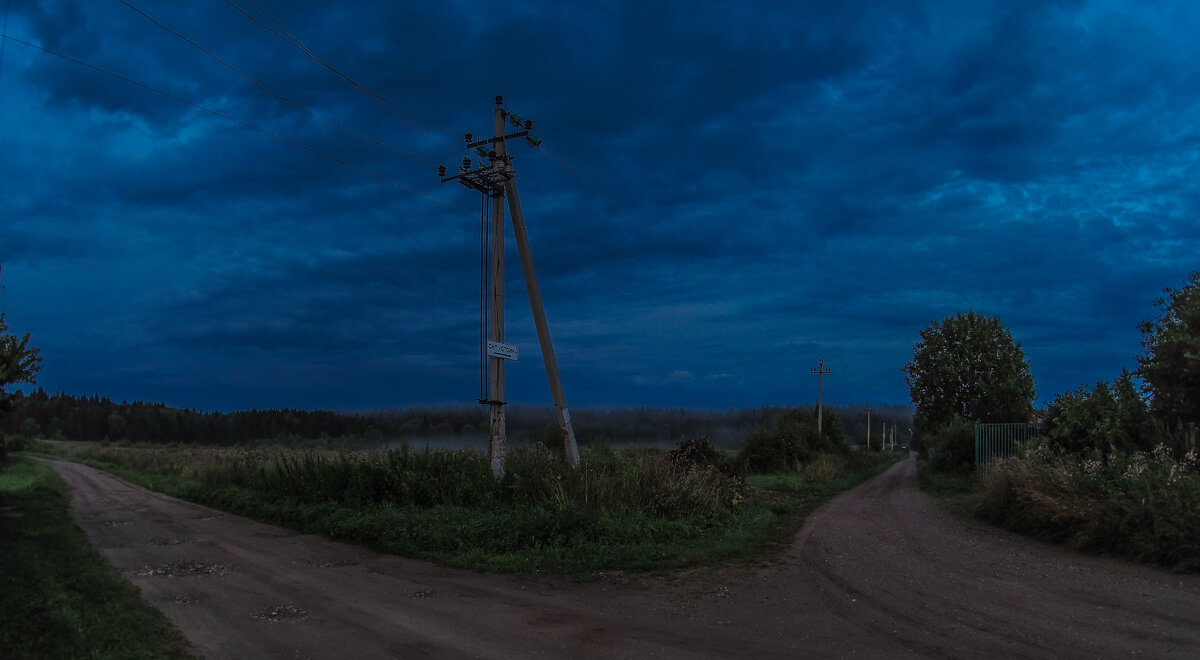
(994, 441)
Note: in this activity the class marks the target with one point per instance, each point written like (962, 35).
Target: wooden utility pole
(497, 431)
(496, 180)
(868, 428)
(820, 371)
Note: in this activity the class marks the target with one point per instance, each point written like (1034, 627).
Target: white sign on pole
(503, 351)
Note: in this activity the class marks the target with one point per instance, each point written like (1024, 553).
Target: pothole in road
(321, 562)
(280, 613)
(188, 599)
(164, 540)
(184, 569)
(276, 535)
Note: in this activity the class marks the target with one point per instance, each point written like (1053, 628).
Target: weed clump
(695, 452)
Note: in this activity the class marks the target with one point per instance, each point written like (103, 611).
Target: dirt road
(881, 571)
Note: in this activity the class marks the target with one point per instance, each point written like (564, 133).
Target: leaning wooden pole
(496, 418)
(539, 320)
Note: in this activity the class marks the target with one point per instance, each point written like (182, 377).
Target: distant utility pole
(820, 371)
(868, 428)
(496, 179)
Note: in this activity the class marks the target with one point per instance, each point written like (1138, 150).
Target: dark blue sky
(726, 193)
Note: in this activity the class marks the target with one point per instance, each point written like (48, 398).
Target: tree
(1170, 368)
(1105, 418)
(968, 367)
(19, 363)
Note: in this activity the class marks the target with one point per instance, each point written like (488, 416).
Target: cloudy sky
(196, 208)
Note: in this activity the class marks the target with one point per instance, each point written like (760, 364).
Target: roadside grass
(945, 484)
(1144, 506)
(631, 510)
(58, 597)
(957, 491)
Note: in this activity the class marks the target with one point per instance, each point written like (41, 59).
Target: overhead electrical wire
(599, 190)
(280, 97)
(396, 109)
(685, 328)
(7, 7)
(245, 124)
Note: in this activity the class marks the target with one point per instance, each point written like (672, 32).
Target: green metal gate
(994, 441)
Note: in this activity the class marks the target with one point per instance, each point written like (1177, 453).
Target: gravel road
(879, 572)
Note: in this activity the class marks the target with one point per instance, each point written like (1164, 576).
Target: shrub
(793, 441)
(1144, 505)
(953, 446)
(694, 452)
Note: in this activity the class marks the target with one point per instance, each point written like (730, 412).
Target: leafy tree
(19, 363)
(1135, 427)
(967, 366)
(1105, 418)
(1170, 367)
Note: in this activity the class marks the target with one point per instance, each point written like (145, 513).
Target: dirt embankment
(880, 571)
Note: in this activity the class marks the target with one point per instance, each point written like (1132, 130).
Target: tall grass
(607, 480)
(618, 509)
(1145, 506)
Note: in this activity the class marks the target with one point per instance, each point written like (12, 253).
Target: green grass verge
(58, 597)
(957, 491)
(567, 534)
(945, 484)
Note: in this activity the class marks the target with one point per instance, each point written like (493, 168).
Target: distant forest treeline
(63, 416)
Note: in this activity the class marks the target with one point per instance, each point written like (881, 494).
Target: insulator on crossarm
(442, 171)
(529, 124)
(499, 100)
(469, 138)
(466, 165)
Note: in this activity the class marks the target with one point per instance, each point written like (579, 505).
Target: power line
(7, 6)
(245, 124)
(619, 287)
(396, 109)
(280, 97)
(567, 167)
(575, 173)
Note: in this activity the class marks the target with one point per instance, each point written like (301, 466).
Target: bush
(793, 441)
(1144, 505)
(953, 446)
(553, 440)
(695, 452)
